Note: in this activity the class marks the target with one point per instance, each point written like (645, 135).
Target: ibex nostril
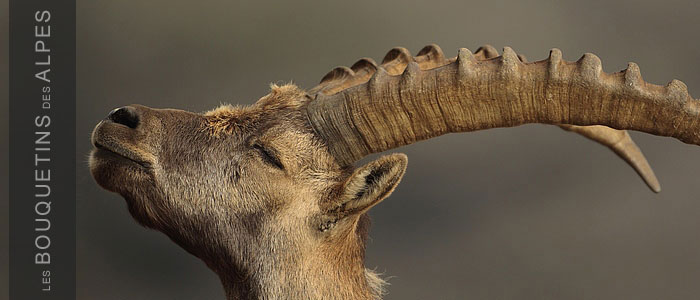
(124, 115)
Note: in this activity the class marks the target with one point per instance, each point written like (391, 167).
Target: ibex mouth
(108, 147)
(101, 148)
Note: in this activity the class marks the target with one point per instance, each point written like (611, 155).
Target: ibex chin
(268, 197)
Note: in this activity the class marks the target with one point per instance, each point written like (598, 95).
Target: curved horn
(619, 141)
(469, 94)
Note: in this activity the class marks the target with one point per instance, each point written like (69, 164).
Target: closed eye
(269, 156)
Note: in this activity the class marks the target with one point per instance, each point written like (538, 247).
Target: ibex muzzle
(268, 197)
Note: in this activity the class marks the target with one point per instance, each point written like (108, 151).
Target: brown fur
(210, 183)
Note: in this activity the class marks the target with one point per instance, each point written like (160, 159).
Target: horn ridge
(475, 91)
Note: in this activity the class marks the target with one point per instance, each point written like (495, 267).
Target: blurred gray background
(522, 213)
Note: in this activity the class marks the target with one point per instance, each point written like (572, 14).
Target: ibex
(268, 197)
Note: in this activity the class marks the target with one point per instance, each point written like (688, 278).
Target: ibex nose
(126, 115)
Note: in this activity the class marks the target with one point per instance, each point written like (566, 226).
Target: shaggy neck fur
(337, 283)
(333, 271)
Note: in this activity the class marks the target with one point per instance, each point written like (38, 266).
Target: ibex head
(268, 197)
(241, 187)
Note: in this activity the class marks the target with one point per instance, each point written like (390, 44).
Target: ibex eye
(269, 156)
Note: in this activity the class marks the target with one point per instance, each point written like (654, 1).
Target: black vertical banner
(42, 149)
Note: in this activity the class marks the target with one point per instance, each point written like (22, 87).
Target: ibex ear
(371, 183)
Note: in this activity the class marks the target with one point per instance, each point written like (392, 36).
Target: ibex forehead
(282, 104)
(277, 124)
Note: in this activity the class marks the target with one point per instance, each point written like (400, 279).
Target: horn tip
(656, 189)
(652, 182)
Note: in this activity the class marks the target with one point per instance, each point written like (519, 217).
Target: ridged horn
(479, 91)
(485, 52)
(431, 57)
(396, 60)
(620, 142)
